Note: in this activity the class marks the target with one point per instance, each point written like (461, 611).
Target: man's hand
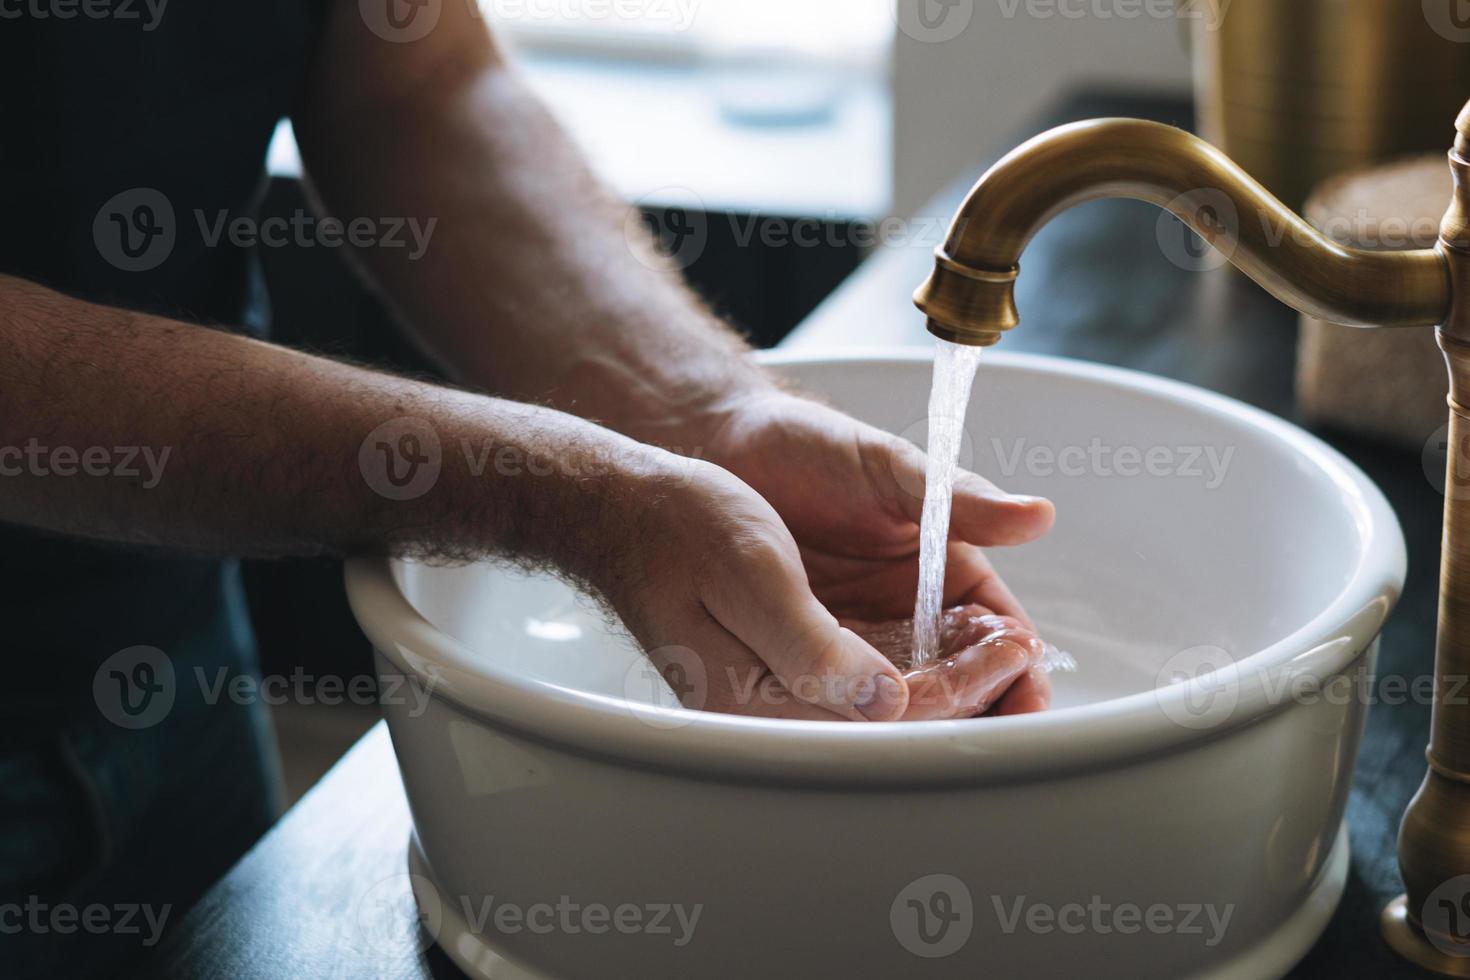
(711, 584)
(987, 664)
(852, 496)
(747, 576)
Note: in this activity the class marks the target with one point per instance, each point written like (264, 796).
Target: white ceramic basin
(1177, 814)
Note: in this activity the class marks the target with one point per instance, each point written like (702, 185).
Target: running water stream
(949, 400)
(954, 373)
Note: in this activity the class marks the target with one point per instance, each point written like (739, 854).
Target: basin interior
(1184, 521)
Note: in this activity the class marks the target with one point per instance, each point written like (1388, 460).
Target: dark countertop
(311, 898)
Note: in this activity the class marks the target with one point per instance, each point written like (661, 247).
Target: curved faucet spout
(970, 299)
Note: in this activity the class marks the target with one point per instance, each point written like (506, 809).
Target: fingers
(1030, 693)
(983, 514)
(996, 670)
(968, 684)
(729, 678)
(765, 603)
(970, 572)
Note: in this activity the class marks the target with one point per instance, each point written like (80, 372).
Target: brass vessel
(969, 299)
(1298, 90)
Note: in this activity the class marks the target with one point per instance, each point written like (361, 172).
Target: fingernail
(883, 700)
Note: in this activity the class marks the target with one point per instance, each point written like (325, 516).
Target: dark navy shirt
(124, 126)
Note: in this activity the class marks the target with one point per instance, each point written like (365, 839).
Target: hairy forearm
(534, 283)
(132, 428)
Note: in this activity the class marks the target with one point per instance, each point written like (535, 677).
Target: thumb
(983, 514)
(764, 601)
(986, 515)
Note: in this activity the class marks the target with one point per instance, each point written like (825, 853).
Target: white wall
(961, 100)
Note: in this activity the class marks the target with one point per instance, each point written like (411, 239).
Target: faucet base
(1409, 941)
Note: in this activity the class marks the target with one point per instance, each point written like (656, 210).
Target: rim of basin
(835, 754)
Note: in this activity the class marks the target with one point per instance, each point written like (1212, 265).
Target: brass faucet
(970, 299)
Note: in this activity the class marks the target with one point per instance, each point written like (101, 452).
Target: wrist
(682, 408)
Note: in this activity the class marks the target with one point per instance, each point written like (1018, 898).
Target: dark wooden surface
(325, 894)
